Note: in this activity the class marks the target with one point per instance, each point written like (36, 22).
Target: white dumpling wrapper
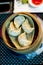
(18, 21)
(23, 40)
(13, 31)
(26, 27)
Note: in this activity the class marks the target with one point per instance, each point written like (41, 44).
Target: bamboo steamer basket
(36, 42)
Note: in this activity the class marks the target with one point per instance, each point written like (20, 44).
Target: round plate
(30, 2)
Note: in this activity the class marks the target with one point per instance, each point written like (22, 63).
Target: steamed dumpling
(13, 31)
(14, 41)
(18, 21)
(23, 40)
(26, 27)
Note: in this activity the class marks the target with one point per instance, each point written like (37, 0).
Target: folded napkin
(38, 51)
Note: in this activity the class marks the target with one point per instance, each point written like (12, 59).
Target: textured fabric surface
(8, 57)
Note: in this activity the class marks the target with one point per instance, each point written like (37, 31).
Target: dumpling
(23, 40)
(13, 31)
(26, 27)
(18, 21)
(14, 41)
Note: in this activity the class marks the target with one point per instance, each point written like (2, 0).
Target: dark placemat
(8, 57)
